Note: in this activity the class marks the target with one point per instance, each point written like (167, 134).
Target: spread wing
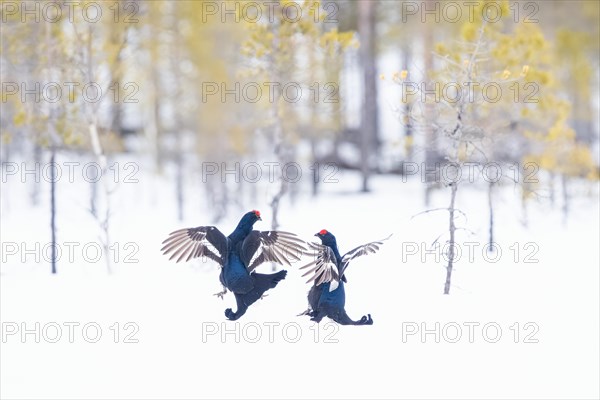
(271, 246)
(190, 243)
(365, 249)
(324, 267)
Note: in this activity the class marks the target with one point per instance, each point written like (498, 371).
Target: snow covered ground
(523, 326)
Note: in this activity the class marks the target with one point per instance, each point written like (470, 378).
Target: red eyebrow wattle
(323, 232)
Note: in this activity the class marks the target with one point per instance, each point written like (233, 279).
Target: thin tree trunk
(278, 135)
(179, 181)
(280, 152)
(37, 159)
(552, 188)
(491, 209)
(409, 131)
(565, 205)
(100, 156)
(93, 197)
(53, 206)
(5, 157)
(152, 126)
(524, 211)
(281, 158)
(103, 162)
(155, 131)
(456, 136)
(315, 169)
(275, 209)
(175, 60)
(428, 113)
(313, 116)
(452, 228)
(275, 204)
(369, 123)
(53, 136)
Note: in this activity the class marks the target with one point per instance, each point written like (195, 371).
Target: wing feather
(271, 246)
(324, 266)
(365, 249)
(196, 242)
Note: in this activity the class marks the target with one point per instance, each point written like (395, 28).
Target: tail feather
(262, 283)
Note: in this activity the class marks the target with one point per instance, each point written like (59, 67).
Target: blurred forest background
(124, 120)
(147, 81)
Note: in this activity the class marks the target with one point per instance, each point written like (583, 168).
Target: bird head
(251, 217)
(255, 214)
(326, 237)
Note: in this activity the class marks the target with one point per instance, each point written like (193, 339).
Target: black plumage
(238, 254)
(327, 272)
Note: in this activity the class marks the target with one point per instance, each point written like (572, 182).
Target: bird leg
(343, 319)
(241, 308)
(221, 294)
(308, 312)
(262, 283)
(317, 316)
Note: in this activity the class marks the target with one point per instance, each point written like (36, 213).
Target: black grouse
(327, 297)
(238, 255)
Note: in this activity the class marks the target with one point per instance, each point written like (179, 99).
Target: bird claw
(230, 314)
(308, 312)
(221, 294)
(366, 320)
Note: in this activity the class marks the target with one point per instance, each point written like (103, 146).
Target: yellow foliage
(526, 46)
(581, 162)
(409, 142)
(6, 137)
(561, 152)
(522, 55)
(20, 118)
(335, 42)
(469, 32)
(441, 49)
(571, 48)
(237, 139)
(273, 50)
